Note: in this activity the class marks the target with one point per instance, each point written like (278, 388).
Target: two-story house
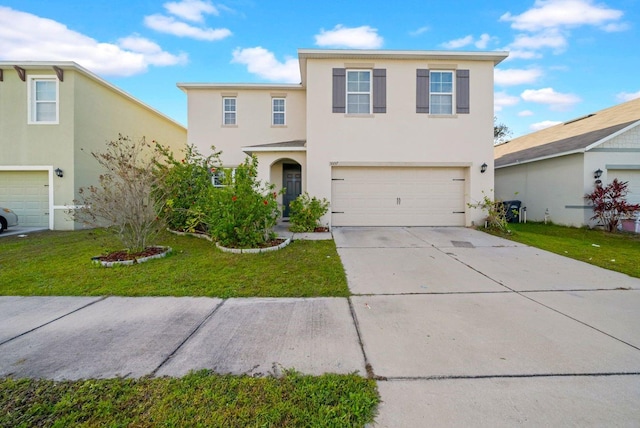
(390, 138)
(52, 116)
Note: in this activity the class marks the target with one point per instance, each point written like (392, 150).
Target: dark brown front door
(292, 182)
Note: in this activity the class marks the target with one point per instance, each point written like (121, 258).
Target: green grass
(198, 399)
(619, 252)
(59, 263)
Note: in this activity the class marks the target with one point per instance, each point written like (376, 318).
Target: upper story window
(441, 92)
(278, 111)
(43, 100)
(229, 111)
(358, 91)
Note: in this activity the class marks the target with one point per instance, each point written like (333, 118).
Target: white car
(7, 219)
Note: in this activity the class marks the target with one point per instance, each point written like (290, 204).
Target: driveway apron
(463, 328)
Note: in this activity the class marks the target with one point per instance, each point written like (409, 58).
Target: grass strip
(59, 263)
(199, 399)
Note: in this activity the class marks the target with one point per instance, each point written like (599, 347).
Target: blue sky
(568, 58)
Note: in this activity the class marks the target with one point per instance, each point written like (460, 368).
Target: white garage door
(396, 196)
(633, 177)
(27, 193)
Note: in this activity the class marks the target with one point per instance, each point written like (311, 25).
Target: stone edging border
(196, 235)
(286, 242)
(134, 261)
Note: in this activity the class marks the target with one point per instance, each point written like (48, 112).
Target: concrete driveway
(466, 329)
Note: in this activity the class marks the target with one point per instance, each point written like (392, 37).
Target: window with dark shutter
(339, 90)
(422, 91)
(379, 90)
(462, 92)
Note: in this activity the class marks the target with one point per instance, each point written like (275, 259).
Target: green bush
(244, 211)
(187, 189)
(305, 213)
(496, 213)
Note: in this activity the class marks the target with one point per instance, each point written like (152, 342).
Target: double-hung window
(278, 111)
(358, 91)
(229, 111)
(441, 92)
(43, 100)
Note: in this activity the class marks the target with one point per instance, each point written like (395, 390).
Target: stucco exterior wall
(400, 134)
(554, 186)
(253, 120)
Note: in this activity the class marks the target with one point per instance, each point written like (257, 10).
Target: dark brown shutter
(462, 92)
(379, 90)
(422, 91)
(339, 90)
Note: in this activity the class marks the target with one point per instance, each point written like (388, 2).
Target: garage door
(395, 196)
(633, 177)
(27, 193)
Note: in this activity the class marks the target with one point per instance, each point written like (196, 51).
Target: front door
(292, 182)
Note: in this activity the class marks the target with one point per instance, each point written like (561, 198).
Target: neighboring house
(52, 116)
(551, 170)
(390, 138)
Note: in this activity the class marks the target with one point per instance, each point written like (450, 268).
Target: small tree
(186, 188)
(610, 204)
(306, 212)
(496, 212)
(244, 211)
(123, 201)
(501, 132)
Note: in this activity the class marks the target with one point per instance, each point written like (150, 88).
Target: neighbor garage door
(633, 177)
(27, 193)
(397, 196)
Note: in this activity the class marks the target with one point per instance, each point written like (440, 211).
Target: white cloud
(555, 100)
(264, 63)
(547, 39)
(191, 10)
(562, 13)
(502, 99)
(627, 96)
(169, 25)
(419, 31)
(458, 43)
(522, 54)
(544, 124)
(480, 43)
(515, 76)
(363, 37)
(25, 37)
(525, 113)
(151, 50)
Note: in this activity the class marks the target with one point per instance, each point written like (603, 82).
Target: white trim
(284, 112)
(347, 92)
(49, 169)
(557, 155)
(31, 100)
(240, 86)
(402, 164)
(235, 111)
(273, 149)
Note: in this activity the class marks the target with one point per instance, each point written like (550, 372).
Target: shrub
(124, 200)
(244, 211)
(305, 213)
(496, 213)
(186, 188)
(610, 205)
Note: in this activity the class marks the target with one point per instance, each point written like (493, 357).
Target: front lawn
(619, 252)
(198, 399)
(59, 264)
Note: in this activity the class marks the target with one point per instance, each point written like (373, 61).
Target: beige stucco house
(551, 170)
(390, 138)
(52, 116)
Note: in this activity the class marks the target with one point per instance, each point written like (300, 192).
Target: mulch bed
(121, 256)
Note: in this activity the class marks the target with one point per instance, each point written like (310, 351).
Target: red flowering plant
(610, 204)
(187, 188)
(244, 210)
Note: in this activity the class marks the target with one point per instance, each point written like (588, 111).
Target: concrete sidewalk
(459, 328)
